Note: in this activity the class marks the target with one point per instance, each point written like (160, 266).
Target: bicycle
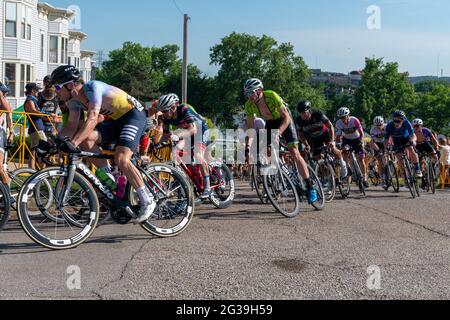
(284, 187)
(76, 205)
(355, 170)
(222, 182)
(429, 178)
(410, 177)
(390, 172)
(333, 171)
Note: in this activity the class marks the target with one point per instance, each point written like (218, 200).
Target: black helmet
(4, 88)
(304, 106)
(64, 74)
(400, 114)
(47, 79)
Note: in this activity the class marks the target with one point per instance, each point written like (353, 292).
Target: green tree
(138, 70)
(242, 56)
(384, 89)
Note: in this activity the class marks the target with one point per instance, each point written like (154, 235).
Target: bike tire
(432, 179)
(187, 211)
(5, 206)
(220, 172)
(409, 179)
(272, 188)
(258, 184)
(44, 240)
(330, 193)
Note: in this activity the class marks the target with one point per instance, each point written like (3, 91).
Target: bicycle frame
(76, 165)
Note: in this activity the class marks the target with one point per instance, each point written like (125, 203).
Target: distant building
(34, 40)
(319, 76)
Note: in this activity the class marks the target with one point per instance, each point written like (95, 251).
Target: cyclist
(351, 134)
(189, 123)
(125, 125)
(269, 106)
(316, 131)
(403, 137)
(378, 135)
(5, 137)
(427, 143)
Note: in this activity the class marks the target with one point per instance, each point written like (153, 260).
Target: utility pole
(185, 59)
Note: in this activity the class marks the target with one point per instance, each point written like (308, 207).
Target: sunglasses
(398, 121)
(59, 87)
(250, 94)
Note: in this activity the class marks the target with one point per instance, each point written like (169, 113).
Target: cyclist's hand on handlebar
(68, 147)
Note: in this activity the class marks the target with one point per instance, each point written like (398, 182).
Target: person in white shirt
(445, 154)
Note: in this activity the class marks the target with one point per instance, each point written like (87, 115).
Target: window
(11, 19)
(53, 48)
(24, 22)
(64, 49)
(25, 77)
(10, 76)
(29, 19)
(42, 46)
(70, 60)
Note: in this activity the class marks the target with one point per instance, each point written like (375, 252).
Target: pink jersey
(349, 131)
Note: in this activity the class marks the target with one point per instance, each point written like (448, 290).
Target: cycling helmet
(400, 114)
(166, 102)
(4, 88)
(304, 106)
(441, 137)
(378, 121)
(417, 122)
(65, 74)
(252, 85)
(343, 112)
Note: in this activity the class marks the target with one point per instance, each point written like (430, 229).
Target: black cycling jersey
(314, 127)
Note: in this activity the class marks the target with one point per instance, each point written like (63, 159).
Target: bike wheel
(409, 179)
(432, 175)
(80, 205)
(321, 202)
(359, 177)
(175, 200)
(325, 173)
(394, 179)
(5, 206)
(282, 193)
(222, 185)
(18, 178)
(343, 184)
(258, 184)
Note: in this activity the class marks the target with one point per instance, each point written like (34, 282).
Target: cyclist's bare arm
(6, 106)
(330, 127)
(250, 126)
(87, 128)
(285, 120)
(73, 123)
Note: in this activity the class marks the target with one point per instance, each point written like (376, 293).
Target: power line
(176, 5)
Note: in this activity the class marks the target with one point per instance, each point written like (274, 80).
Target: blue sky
(331, 35)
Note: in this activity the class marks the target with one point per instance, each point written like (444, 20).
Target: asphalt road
(250, 252)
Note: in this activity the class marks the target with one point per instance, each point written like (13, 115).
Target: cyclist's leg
(414, 157)
(132, 126)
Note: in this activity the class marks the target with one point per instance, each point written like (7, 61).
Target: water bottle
(106, 179)
(121, 187)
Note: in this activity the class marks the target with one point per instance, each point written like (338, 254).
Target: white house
(34, 40)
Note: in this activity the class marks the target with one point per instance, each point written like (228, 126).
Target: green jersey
(274, 102)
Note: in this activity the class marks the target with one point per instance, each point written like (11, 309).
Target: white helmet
(166, 102)
(252, 85)
(417, 122)
(343, 112)
(378, 121)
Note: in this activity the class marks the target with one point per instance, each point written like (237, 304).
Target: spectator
(36, 128)
(444, 149)
(49, 104)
